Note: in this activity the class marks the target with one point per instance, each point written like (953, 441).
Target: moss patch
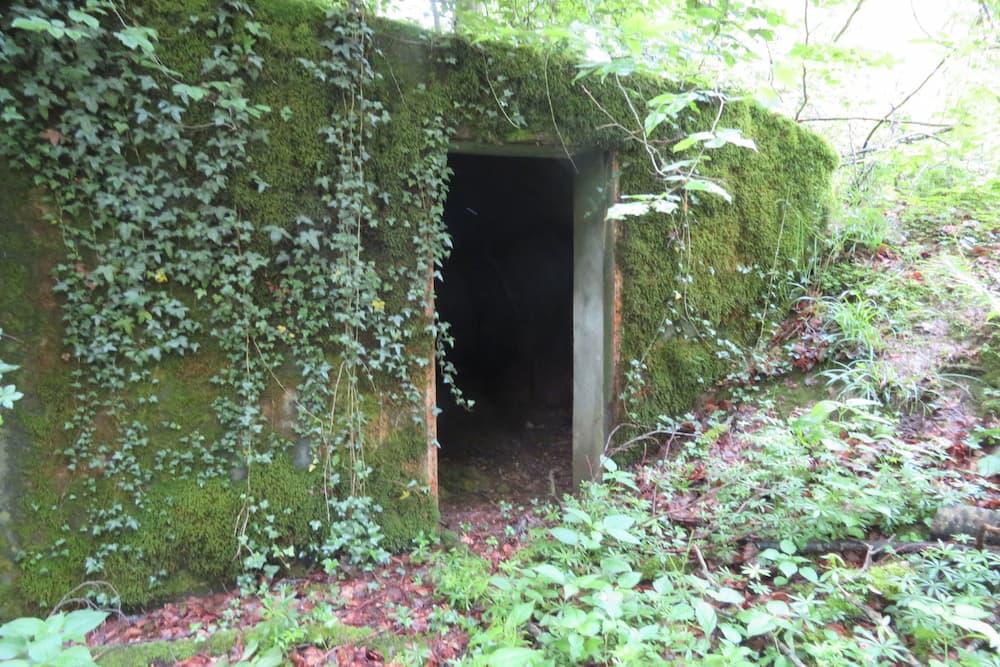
(165, 652)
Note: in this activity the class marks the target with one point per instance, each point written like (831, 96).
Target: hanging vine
(138, 163)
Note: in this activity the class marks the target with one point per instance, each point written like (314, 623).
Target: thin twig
(72, 598)
(857, 157)
(638, 121)
(552, 113)
(916, 19)
(849, 19)
(805, 88)
(489, 82)
(644, 437)
(805, 94)
(701, 561)
(787, 651)
(906, 99)
(837, 119)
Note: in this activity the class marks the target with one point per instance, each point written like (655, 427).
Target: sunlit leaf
(706, 616)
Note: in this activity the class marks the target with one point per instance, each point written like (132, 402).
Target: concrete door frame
(594, 299)
(593, 313)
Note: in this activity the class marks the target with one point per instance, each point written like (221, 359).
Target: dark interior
(507, 291)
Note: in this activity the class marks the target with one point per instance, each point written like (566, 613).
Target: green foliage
(160, 263)
(583, 590)
(53, 641)
(860, 229)
(858, 320)
(791, 482)
(461, 578)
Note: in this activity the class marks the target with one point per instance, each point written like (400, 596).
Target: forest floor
(905, 320)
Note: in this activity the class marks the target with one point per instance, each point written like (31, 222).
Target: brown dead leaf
(51, 135)
(310, 657)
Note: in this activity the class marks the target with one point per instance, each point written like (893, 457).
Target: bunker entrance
(507, 290)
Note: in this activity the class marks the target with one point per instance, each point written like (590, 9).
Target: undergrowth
(703, 559)
(735, 548)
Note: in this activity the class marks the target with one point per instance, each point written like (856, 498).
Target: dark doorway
(507, 291)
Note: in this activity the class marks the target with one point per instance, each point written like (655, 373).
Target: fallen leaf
(51, 135)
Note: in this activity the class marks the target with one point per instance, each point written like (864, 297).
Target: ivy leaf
(84, 18)
(33, 24)
(10, 113)
(105, 271)
(310, 236)
(8, 395)
(186, 92)
(136, 38)
(276, 233)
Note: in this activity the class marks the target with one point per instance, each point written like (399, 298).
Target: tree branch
(858, 156)
(805, 94)
(805, 89)
(833, 119)
(906, 99)
(850, 18)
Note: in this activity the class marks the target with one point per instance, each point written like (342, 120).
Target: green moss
(53, 554)
(780, 202)
(189, 535)
(166, 652)
(406, 509)
(219, 644)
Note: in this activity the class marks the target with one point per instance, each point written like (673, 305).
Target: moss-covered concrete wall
(184, 537)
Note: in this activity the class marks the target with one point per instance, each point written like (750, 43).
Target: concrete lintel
(538, 150)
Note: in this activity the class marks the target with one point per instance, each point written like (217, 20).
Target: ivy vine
(137, 163)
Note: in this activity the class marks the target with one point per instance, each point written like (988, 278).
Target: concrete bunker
(526, 291)
(624, 280)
